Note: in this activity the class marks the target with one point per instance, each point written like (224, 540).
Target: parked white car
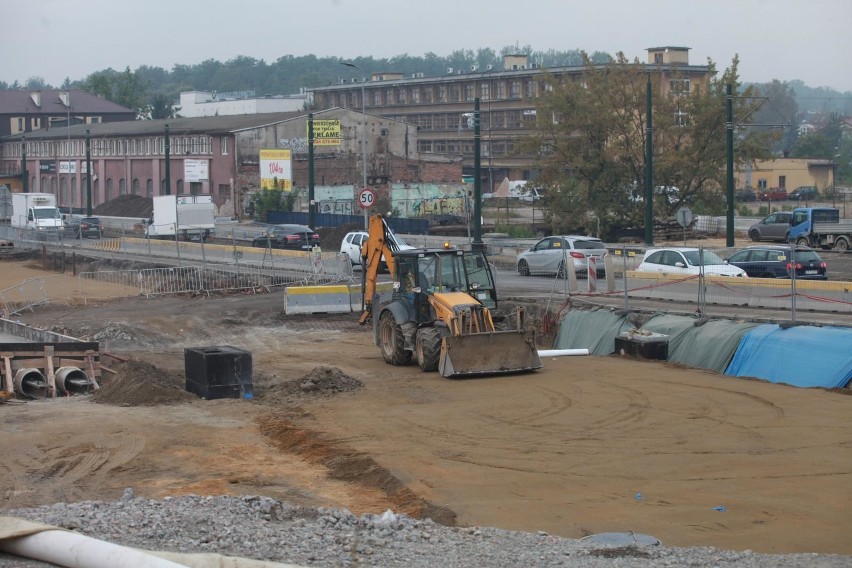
(686, 261)
(351, 246)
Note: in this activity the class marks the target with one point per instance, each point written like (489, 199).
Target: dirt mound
(127, 206)
(322, 381)
(137, 383)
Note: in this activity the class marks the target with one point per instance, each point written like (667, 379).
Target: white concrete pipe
(561, 352)
(71, 380)
(30, 383)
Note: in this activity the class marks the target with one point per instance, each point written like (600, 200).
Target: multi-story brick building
(439, 106)
(130, 157)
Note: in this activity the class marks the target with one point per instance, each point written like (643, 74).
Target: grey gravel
(266, 529)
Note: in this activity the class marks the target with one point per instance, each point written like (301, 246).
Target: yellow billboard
(276, 169)
(326, 133)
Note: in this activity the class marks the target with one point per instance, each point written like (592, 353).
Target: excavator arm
(377, 245)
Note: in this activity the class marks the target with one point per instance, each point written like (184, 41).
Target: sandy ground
(585, 445)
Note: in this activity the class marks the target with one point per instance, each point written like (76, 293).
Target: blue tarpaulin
(802, 356)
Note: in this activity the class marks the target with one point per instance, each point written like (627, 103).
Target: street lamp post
(363, 141)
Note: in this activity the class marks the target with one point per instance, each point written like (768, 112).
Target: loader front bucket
(491, 353)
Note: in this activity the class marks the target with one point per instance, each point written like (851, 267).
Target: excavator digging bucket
(492, 353)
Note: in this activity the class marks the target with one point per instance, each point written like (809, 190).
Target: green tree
(161, 107)
(37, 84)
(129, 91)
(589, 137)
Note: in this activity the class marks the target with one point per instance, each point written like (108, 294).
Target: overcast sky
(775, 39)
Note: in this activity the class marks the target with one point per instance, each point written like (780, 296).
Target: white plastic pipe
(65, 548)
(561, 352)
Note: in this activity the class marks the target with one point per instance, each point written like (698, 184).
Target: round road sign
(684, 216)
(366, 197)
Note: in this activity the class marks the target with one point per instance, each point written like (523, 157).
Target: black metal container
(643, 347)
(218, 372)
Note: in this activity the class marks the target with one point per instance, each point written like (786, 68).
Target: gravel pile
(267, 529)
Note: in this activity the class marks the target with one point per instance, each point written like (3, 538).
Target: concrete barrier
(329, 299)
(317, 299)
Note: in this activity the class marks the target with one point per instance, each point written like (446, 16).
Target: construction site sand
(585, 445)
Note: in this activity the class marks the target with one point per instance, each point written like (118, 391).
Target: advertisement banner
(45, 167)
(276, 169)
(67, 167)
(326, 133)
(196, 170)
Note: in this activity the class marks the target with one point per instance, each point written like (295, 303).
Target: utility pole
(24, 182)
(729, 178)
(649, 166)
(311, 198)
(477, 180)
(88, 175)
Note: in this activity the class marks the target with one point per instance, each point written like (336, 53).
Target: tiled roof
(20, 101)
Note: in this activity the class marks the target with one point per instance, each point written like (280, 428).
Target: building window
(179, 186)
(108, 190)
(681, 118)
(35, 123)
(469, 91)
(149, 188)
(73, 190)
(223, 143)
(455, 93)
(19, 124)
(122, 187)
(196, 187)
(95, 188)
(415, 95)
(224, 192)
(135, 187)
(403, 95)
(427, 94)
(501, 90)
(485, 90)
(442, 94)
(93, 120)
(761, 184)
(658, 58)
(679, 86)
(515, 90)
(389, 97)
(529, 89)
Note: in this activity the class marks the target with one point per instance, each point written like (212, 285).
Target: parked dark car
(745, 195)
(773, 195)
(804, 193)
(773, 261)
(289, 237)
(80, 227)
(773, 227)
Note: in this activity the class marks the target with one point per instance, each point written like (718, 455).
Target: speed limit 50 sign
(366, 197)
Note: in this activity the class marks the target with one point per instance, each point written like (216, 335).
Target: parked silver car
(773, 227)
(551, 254)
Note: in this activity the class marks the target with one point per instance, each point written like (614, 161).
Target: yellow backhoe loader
(440, 311)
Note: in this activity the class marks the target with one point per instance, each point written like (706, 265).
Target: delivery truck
(36, 211)
(820, 227)
(185, 217)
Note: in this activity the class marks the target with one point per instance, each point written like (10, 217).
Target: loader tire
(428, 349)
(392, 341)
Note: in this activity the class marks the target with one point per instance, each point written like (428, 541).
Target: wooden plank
(7, 375)
(48, 368)
(90, 368)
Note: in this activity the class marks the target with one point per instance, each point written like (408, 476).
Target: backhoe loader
(440, 311)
